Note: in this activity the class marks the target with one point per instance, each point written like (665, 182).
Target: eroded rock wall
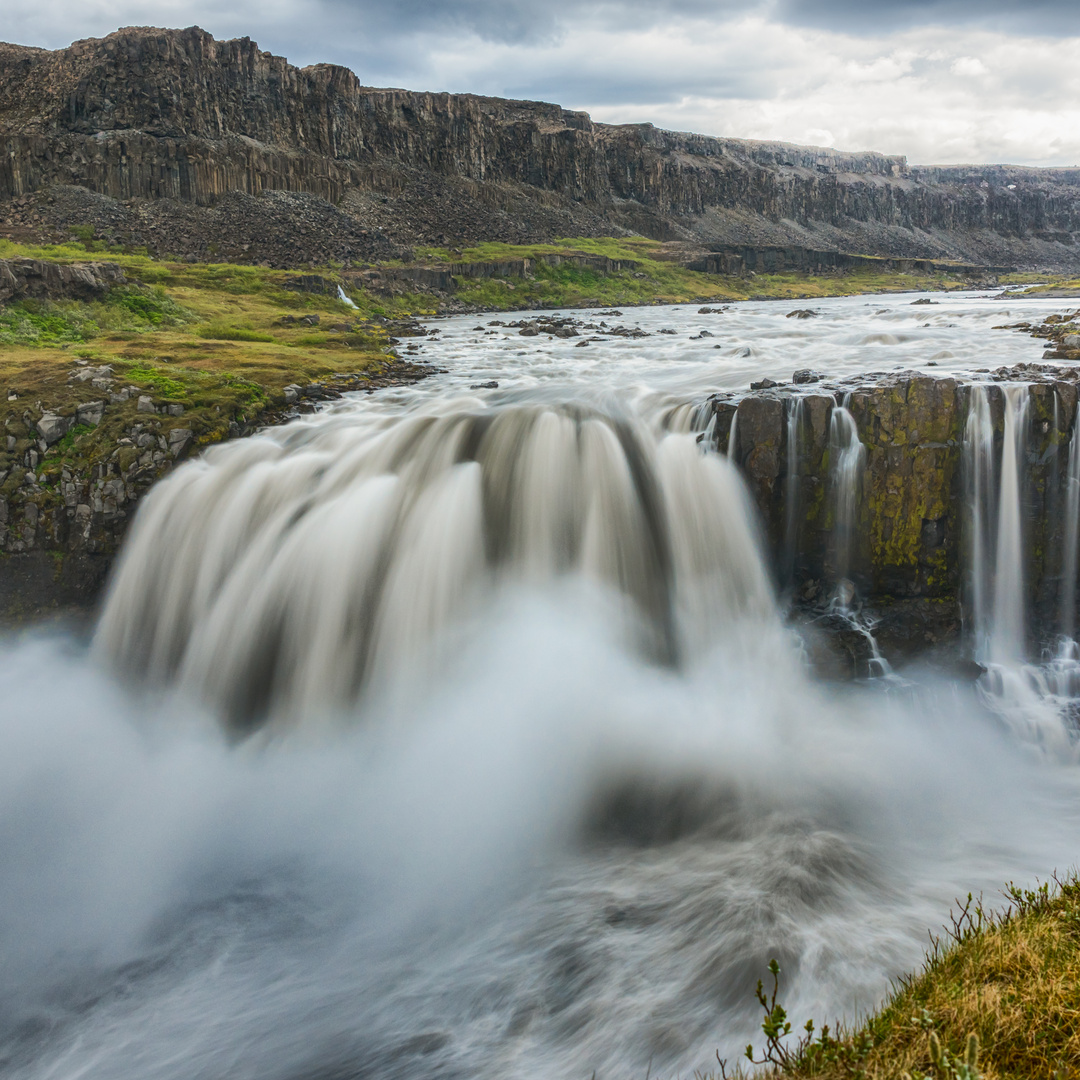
(912, 531)
(174, 114)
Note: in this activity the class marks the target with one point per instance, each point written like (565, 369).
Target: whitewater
(457, 730)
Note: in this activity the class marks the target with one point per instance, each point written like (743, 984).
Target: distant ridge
(151, 114)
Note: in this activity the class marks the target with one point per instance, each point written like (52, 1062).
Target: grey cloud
(524, 21)
(1054, 18)
(606, 87)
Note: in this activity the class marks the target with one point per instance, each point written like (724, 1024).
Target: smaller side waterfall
(995, 509)
(343, 297)
(791, 489)
(995, 514)
(1008, 627)
(733, 436)
(847, 457)
(982, 502)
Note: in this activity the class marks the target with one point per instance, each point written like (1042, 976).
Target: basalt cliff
(147, 119)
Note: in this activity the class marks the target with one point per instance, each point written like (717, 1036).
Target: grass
(997, 999)
(207, 337)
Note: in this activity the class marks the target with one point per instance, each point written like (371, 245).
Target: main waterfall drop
(284, 575)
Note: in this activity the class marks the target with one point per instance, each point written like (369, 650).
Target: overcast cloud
(937, 80)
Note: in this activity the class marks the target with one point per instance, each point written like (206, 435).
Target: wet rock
(802, 313)
(490, 385)
(805, 376)
(763, 384)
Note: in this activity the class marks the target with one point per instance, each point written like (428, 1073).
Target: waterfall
(1071, 539)
(733, 437)
(1007, 633)
(291, 573)
(982, 501)
(847, 457)
(791, 488)
(343, 297)
(995, 516)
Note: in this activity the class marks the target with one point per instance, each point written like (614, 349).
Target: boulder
(90, 413)
(52, 427)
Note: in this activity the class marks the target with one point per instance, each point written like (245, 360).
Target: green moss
(156, 380)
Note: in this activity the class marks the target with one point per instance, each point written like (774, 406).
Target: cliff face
(156, 114)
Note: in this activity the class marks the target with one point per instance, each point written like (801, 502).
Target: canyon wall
(168, 114)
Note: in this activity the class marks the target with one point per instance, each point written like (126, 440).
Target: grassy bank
(998, 999)
(221, 342)
(653, 279)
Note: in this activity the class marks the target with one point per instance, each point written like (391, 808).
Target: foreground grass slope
(998, 999)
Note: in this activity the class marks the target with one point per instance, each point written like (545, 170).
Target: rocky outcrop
(70, 483)
(22, 279)
(739, 259)
(166, 114)
(908, 556)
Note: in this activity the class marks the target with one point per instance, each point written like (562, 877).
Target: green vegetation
(207, 340)
(44, 323)
(998, 999)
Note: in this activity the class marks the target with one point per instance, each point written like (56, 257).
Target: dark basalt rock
(23, 279)
(173, 118)
(908, 551)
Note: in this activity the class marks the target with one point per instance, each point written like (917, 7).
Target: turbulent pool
(456, 731)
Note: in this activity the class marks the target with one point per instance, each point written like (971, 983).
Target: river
(455, 731)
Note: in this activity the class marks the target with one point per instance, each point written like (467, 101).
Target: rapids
(457, 732)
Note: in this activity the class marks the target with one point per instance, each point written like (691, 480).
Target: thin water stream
(457, 733)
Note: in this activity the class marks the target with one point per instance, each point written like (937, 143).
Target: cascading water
(847, 457)
(1034, 699)
(542, 784)
(1009, 622)
(995, 515)
(791, 487)
(305, 566)
(981, 469)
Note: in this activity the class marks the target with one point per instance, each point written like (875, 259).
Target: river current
(455, 731)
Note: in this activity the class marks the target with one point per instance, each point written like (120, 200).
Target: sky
(940, 81)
